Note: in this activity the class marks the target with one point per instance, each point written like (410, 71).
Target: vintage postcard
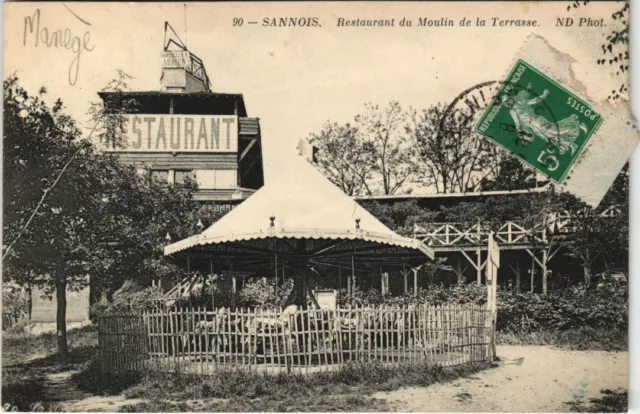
(316, 206)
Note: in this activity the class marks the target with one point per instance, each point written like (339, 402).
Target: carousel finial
(200, 225)
(357, 223)
(168, 237)
(272, 218)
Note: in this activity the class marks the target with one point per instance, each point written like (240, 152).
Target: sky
(296, 78)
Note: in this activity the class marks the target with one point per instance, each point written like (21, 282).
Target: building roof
(174, 94)
(304, 205)
(436, 200)
(151, 96)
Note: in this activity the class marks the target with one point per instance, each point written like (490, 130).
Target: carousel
(300, 226)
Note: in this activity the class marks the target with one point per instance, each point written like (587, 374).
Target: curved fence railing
(290, 340)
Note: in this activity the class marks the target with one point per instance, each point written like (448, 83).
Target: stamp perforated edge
(606, 114)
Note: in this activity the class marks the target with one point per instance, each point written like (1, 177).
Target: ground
(526, 378)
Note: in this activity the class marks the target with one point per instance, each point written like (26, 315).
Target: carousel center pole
(212, 278)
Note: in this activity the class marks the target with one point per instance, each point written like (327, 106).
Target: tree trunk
(61, 313)
(29, 300)
(587, 274)
(587, 268)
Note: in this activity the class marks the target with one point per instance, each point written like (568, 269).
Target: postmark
(467, 107)
(539, 121)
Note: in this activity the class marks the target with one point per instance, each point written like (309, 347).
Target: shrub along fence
(290, 340)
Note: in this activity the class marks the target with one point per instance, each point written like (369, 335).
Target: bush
(611, 401)
(435, 295)
(585, 338)
(130, 298)
(572, 308)
(261, 293)
(366, 376)
(604, 308)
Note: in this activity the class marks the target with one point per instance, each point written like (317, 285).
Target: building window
(160, 177)
(206, 179)
(217, 179)
(181, 176)
(226, 179)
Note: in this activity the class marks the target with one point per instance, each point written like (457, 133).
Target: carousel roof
(299, 203)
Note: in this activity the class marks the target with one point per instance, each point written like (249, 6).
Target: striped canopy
(300, 216)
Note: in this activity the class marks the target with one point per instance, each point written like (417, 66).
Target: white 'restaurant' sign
(181, 133)
(172, 60)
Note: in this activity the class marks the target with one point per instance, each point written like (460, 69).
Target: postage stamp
(539, 121)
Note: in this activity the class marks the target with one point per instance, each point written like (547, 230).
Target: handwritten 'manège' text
(57, 38)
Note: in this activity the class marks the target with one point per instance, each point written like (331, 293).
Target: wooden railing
(202, 341)
(442, 236)
(450, 236)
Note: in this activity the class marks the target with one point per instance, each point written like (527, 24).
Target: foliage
(605, 307)
(388, 145)
(15, 302)
(370, 156)
(451, 156)
(130, 298)
(611, 401)
(615, 48)
(586, 338)
(318, 403)
(262, 293)
(27, 358)
(435, 295)
(507, 173)
(401, 217)
(18, 346)
(597, 233)
(343, 157)
(573, 308)
(99, 219)
(21, 392)
(352, 378)
(109, 116)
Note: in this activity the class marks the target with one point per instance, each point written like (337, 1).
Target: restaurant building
(184, 130)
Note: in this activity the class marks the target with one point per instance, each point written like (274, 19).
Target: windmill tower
(182, 71)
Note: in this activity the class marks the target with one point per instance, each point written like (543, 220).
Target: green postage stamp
(539, 121)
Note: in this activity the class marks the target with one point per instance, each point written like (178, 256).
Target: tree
(597, 234)
(615, 48)
(71, 212)
(388, 145)
(370, 156)
(109, 116)
(507, 173)
(451, 158)
(46, 219)
(400, 217)
(343, 158)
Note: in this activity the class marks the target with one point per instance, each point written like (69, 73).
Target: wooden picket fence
(202, 341)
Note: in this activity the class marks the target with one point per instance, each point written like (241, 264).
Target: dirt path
(528, 379)
(61, 390)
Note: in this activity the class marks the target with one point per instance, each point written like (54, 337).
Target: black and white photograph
(316, 206)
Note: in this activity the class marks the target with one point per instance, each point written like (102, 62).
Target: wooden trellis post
(493, 263)
(477, 264)
(385, 283)
(518, 275)
(405, 274)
